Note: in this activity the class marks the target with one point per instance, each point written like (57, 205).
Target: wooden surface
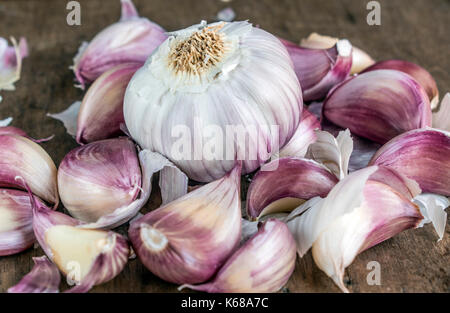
(417, 31)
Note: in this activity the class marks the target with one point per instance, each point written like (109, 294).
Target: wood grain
(417, 31)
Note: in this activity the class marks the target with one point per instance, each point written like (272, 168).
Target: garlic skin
(441, 118)
(420, 74)
(361, 60)
(97, 178)
(246, 81)
(378, 105)
(263, 264)
(101, 111)
(22, 157)
(318, 70)
(187, 240)
(43, 278)
(89, 257)
(11, 62)
(292, 182)
(132, 39)
(16, 217)
(432, 207)
(303, 136)
(420, 155)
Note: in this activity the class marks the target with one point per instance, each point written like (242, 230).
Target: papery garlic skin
(22, 157)
(263, 264)
(441, 118)
(303, 136)
(187, 240)
(361, 60)
(420, 74)
(43, 278)
(296, 178)
(421, 155)
(378, 105)
(101, 111)
(132, 39)
(11, 62)
(318, 70)
(97, 178)
(246, 83)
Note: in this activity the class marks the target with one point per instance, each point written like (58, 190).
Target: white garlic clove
(22, 157)
(420, 74)
(361, 60)
(421, 155)
(43, 278)
(378, 105)
(132, 39)
(11, 62)
(318, 70)
(289, 183)
(97, 178)
(303, 136)
(187, 240)
(263, 264)
(101, 111)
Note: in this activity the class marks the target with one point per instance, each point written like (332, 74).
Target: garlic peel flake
(11, 62)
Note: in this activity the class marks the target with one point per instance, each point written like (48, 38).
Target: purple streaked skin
(11, 130)
(318, 70)
(101, 112)
(420, 74)
(140, 37)
(194, 250)
(379, 105)
(294, 177)
(421, 155)
(43, 278)
(397, 181)
(273, 251)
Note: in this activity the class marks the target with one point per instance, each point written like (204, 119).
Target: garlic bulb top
(202, 84)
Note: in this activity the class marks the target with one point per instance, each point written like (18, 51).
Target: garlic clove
(97, 178)
(16, 217)
(88, 257)
(420, 74)
(132, 39)
(318, 70)
(378, 105)
(187, 240)
(291, 183)
(11, 62)
(361, 60)
(303, 136)
(22, 157)
(432, 207)
(441, 119)
(421, 155)
(101, 112)
(43, 278)
(263, 264)
(332, 152)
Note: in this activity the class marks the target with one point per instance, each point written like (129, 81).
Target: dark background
(412, 30)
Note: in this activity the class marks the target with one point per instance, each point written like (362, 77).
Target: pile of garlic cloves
(360, 153)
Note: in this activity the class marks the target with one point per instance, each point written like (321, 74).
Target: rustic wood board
(417, 31)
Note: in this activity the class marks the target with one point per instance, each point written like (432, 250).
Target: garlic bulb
(420, 74)
(132, 39)
(43, 278)
(263, 264)
(96, 179)
(378, 105)
(101, 112)
(292, 182)
(422, 155)
(318, 70)
(22, 157)
(189, 103)
(187, 240)
(11, 62)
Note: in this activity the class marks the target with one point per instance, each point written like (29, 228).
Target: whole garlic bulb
(204, 79)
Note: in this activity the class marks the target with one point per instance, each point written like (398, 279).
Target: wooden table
(417, 31)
